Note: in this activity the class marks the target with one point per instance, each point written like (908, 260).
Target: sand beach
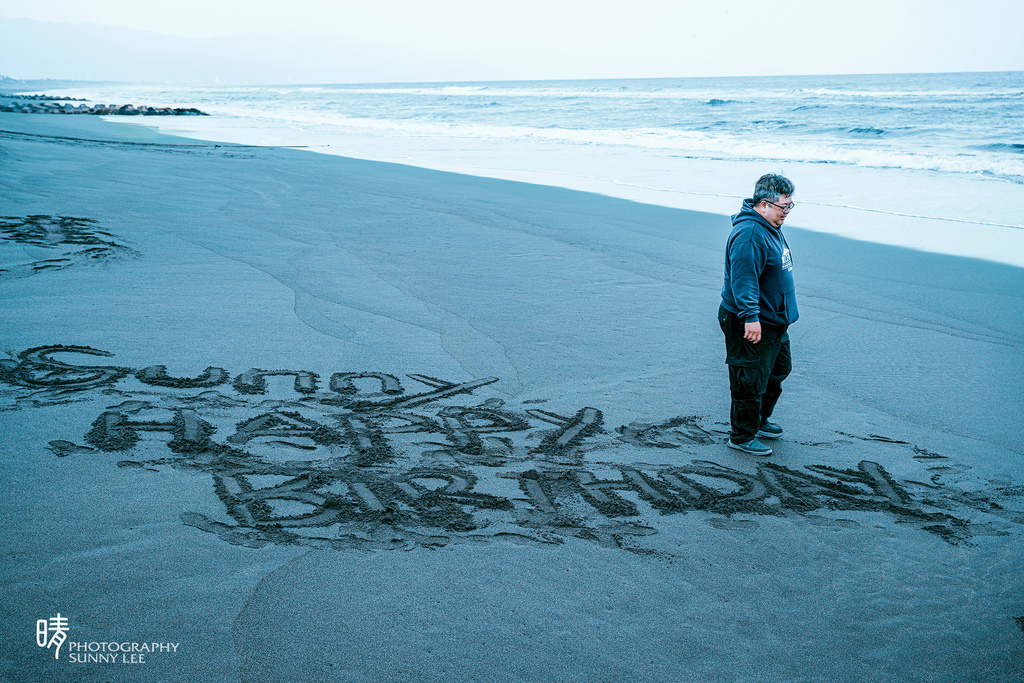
(311, 418)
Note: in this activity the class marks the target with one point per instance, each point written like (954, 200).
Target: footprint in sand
(829, 522)
(65, 448)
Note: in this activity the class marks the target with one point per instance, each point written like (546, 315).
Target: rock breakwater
(44, 104)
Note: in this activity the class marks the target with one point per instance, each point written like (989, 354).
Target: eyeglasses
(785, 209)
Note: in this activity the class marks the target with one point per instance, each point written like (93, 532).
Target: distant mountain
(13, 85)
(93, 52)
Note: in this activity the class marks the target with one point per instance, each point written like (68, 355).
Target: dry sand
(317, 419)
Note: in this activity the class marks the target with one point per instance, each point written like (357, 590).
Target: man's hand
(752, 332)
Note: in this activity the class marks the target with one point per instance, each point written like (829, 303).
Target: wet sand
(314, 418)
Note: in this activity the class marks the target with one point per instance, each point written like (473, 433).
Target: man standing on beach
(758, 305)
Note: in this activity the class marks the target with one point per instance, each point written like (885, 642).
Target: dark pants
(756, 372)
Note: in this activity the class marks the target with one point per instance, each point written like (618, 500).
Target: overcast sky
(322, 40)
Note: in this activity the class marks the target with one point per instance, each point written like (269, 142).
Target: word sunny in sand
(375, 462)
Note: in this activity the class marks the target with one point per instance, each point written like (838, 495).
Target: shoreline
(825, 204)
(933, 194)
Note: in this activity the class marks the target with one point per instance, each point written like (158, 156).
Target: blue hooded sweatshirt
(758, 271)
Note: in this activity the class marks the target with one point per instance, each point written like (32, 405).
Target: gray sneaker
(754, 447)
(769, 430)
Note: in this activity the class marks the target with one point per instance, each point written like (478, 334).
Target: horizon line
(4, 79)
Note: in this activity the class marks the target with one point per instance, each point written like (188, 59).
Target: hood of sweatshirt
(748, 212)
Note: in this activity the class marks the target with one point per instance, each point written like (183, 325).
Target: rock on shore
(42, 104)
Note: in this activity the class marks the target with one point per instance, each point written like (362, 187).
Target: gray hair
(769, 186)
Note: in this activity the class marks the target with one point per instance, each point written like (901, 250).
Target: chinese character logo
(52, 632)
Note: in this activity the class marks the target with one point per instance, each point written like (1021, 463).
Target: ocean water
(931, 161)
